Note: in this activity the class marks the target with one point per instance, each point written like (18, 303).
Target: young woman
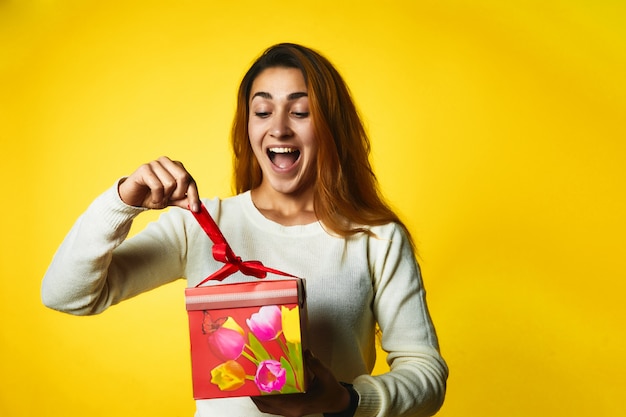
(306, 202)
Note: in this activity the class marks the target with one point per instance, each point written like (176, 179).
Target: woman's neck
(285, 209)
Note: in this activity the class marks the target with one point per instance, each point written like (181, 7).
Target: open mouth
(283, 157)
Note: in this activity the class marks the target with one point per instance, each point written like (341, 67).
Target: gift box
(246, 338)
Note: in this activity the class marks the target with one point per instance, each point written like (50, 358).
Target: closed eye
(262, 114)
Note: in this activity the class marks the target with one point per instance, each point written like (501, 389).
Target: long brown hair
(347, 196)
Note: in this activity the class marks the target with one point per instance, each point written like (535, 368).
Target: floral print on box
(269, 340)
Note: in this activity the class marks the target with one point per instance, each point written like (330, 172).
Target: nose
(280, 126)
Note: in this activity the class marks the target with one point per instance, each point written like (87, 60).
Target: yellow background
(498, 134)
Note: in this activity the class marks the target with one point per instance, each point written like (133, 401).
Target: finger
(193, 197)
(185, 194)
(289, 405)
(143, 187)
(266, 406)
(314, 365)
(191, 200)
(161, 184)
(262, 405)
(179, 174)
(330, 392)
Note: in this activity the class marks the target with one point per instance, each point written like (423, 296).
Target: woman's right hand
(159, 184)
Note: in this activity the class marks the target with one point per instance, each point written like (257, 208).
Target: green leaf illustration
(290, 383)
(257, 349)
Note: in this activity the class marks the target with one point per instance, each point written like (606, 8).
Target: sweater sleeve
(96, 266)
(416, 383)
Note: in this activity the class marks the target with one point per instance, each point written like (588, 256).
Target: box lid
(245, 294)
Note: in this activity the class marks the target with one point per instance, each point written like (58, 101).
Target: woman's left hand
(324, 394)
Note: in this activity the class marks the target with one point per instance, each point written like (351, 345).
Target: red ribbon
(222, 252)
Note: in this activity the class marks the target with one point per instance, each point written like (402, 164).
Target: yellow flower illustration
(230, 323)
(291, 324)
(228, 376)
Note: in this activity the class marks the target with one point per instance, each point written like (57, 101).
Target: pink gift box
(247, 338)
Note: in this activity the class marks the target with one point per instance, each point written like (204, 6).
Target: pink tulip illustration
(266, 324)
(270, 376)
(226, 343)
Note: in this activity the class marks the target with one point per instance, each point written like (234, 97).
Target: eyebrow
(268, 96)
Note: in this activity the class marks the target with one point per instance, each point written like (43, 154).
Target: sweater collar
(271, 226)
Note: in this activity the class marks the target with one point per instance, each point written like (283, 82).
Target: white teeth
(282, 150)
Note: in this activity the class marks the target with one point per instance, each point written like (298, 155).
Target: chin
(288, 188)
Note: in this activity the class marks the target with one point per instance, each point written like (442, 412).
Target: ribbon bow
(222, 252)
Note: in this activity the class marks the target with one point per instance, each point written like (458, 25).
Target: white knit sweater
(352, 284)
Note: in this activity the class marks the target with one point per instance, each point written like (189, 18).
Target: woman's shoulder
(387, 228)
(387, 231)
(390, 236)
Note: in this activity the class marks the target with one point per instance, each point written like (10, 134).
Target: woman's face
(281, 130)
